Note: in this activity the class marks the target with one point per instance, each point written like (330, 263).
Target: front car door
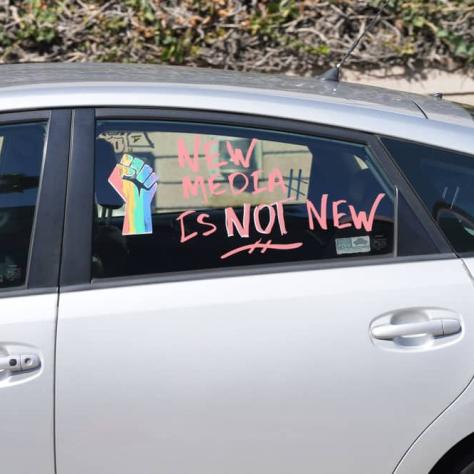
(33, 169)
(247, 296)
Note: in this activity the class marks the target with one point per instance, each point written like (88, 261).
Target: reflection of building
(255, 161)
(159, 149)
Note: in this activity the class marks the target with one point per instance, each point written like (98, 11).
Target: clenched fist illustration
(136, 183)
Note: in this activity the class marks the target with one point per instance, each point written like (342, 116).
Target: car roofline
(355, 115)
(375, 97)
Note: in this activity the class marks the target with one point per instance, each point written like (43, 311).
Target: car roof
(376, 97)
(98, 80)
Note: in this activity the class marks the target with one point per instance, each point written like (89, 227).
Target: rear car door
(33, 168)
(241, 294)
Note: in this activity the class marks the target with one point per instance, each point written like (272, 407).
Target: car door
(470, 265)
(33, 168)
(241, 294)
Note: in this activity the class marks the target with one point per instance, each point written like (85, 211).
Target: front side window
(444, 180)
(21, 157)
(174, 197)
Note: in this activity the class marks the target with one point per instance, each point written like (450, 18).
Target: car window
(21, 156)
(175, 197)
(444, 180)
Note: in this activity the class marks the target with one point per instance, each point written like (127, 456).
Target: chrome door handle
(433, 327)
(20, 363)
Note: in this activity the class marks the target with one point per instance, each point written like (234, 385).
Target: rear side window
(444, 180)
(21, 157)
(174, 197)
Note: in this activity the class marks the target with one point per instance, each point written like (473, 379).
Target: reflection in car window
(444, 180)
(174, 197)
(21, 154)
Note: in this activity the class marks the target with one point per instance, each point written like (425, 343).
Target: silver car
(220, 273)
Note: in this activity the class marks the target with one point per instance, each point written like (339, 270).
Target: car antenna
(334, 73)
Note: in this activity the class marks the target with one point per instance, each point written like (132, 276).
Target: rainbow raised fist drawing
(136, 183)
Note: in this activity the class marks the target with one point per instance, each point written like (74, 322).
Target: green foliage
(444, 21)
(267, 20)
(38, 22)
(275, 35)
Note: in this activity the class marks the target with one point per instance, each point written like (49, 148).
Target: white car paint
(28, 324)
(453, 425)
(266, 373)
(470, 265)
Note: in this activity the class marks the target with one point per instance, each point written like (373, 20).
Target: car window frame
(412, 187)
(77, 244)
(44, 253)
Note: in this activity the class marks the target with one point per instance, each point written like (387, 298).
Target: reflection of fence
(298, 180)
(261, 179)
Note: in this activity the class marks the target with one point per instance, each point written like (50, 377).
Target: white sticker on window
(360, 244)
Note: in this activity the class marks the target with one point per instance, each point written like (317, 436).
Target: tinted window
(444, 180)
(21, 154)
(200, 197)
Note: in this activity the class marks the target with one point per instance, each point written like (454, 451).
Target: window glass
(444, 180)
(173, 197)
(21, 156)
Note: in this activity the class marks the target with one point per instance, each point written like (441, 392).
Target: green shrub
(269, 35)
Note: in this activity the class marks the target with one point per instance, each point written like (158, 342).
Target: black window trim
(77, 245)
(77, 239)
(42, 273)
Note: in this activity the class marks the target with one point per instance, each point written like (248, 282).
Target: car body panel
(441, 110)
(341, 92)
(469, 261)
(451, 427)
(28, 325)
(265, 373)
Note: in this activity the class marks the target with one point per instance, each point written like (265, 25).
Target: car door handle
(433, 327)
(20, 363)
